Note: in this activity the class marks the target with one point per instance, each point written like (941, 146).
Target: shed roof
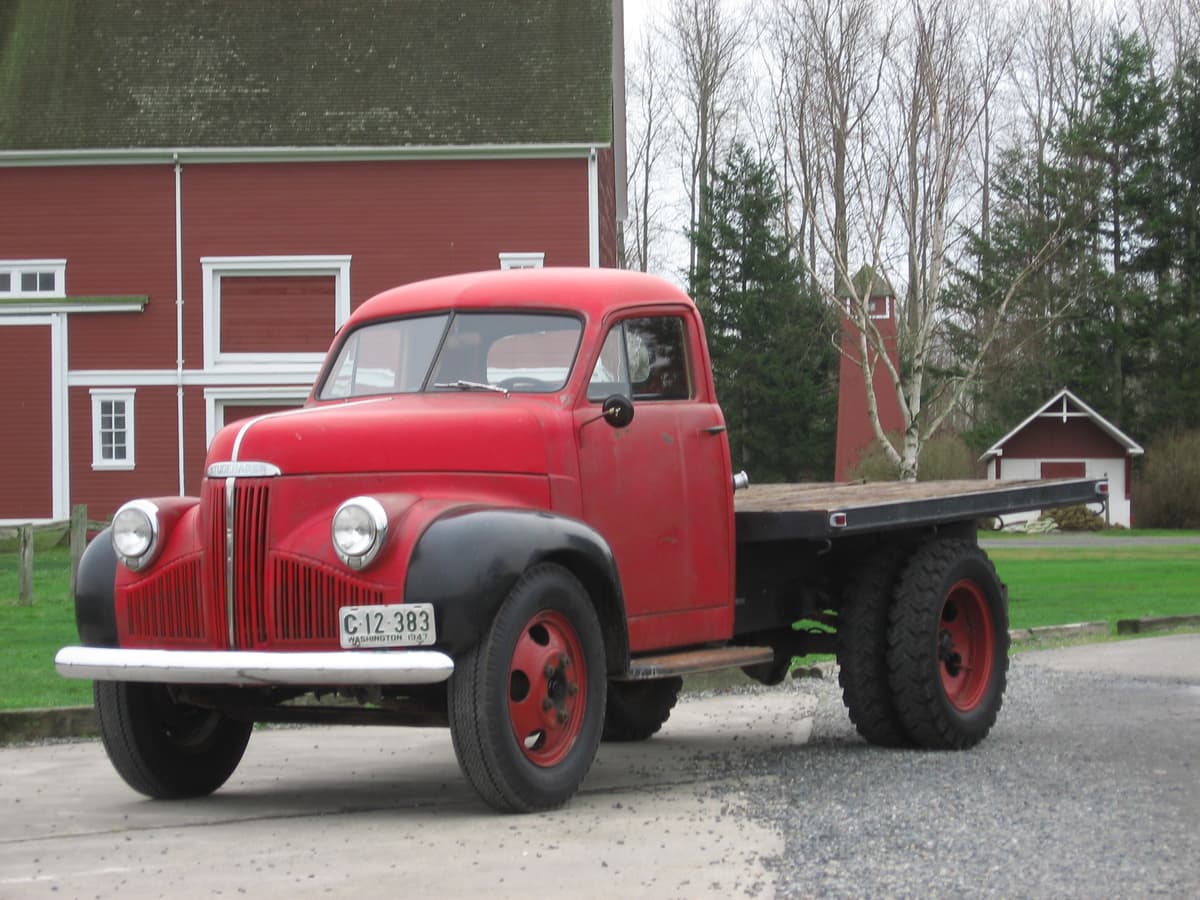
(119, 74)
(1066, 404)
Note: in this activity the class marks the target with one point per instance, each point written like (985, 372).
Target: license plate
(393, 625)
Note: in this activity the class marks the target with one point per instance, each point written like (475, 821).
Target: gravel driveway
(1088, 787)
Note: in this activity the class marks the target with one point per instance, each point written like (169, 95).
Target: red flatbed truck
(508, 507)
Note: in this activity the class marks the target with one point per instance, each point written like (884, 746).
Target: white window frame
(218, 398)
(522, 260)
(15, 268)
(100, 396)
(214, 268)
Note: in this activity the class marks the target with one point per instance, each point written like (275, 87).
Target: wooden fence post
(25, 565)
(79, 522)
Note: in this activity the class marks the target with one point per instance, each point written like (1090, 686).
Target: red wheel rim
(547, 688)
(966, 645)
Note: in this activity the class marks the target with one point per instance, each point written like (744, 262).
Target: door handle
(713, 429)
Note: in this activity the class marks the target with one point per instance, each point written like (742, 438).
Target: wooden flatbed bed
(823, 511)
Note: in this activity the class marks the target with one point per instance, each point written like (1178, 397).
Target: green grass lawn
(1055, 586)
(31, 635)
(1047, 586)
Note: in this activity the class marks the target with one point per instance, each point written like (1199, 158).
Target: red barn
(196, 196)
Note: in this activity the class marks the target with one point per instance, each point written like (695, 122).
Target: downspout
(593, 209)
(179, 317)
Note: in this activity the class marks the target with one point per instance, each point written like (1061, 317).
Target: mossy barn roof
(117, 74)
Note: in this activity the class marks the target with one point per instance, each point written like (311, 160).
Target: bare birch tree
(648, 136)
(903, 108)
(709, 39)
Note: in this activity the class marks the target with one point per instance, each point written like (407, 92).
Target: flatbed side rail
(826, 511)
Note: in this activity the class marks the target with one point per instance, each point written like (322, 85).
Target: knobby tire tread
(637, 710)
(862, 644)
(913, 671)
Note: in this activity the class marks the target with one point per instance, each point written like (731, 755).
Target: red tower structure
(855, 436)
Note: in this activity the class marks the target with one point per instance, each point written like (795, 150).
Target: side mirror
(617, 411)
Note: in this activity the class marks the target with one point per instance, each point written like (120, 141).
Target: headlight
(359, 530)
(135, 533)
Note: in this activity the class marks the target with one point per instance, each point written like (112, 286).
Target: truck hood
(413, 433)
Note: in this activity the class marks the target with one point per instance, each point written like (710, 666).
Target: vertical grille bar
(214, 568)
(250, 536)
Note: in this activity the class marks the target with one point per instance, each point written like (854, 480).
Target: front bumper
(243, 667)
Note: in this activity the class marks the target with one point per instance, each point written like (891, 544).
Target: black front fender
(468, 560)
(95, 614)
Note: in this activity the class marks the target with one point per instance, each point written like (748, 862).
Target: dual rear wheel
(923, 647)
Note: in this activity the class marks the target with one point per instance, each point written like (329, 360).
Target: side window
(112, 429)
(645, 359)
(611, 375)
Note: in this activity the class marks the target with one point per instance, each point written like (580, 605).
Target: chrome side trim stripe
(348, 667)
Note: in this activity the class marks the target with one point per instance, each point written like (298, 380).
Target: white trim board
(216, 267)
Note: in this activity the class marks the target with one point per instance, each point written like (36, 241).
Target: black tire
(948, 645)
(526, 704)
(862, 644)
(163, 749)
(636, 710)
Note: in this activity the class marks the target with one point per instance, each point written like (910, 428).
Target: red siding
(27, 450)
(400, 221)
(155, 457)
(115, 227)
(1076, 438)
(608, 209)
(278, 312)
(1063, 469)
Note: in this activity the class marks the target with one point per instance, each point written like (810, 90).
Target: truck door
(658, 490)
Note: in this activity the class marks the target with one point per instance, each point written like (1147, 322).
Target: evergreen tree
(771, 342)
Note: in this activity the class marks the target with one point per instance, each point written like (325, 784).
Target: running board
(690, 662)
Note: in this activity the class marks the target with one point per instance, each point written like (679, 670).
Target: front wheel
(948, 645)
(165, 749)
(526, 704)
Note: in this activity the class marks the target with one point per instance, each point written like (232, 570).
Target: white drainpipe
(179, 317)
(593, 209)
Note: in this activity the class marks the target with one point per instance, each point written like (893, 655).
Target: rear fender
(469, 558)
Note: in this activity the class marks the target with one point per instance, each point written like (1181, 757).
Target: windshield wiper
(473, 386)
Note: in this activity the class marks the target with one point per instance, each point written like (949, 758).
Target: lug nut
(548, 671)
(562, 718)
(572, 689)
(547, 703)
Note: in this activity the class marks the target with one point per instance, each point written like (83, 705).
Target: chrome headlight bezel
(134, 517)
(365, 517)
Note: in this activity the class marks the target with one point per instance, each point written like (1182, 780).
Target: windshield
(523, 352)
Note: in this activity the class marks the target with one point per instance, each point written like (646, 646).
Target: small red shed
(1066, 438)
